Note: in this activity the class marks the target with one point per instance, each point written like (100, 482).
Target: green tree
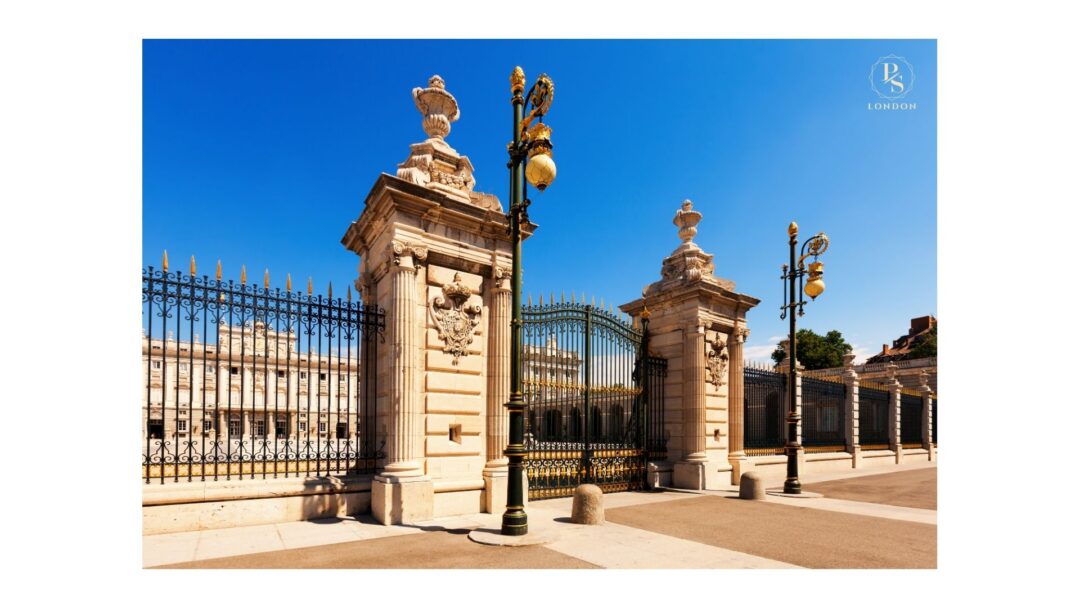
(817, 352)
(925, 345)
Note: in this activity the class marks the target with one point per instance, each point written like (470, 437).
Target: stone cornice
(390, 195)
(700, 290)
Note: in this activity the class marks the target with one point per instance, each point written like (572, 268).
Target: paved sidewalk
(673, 529)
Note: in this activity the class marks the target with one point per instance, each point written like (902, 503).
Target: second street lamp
(532, 143)
(815, 286)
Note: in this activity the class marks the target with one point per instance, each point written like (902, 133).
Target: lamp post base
(515, 524)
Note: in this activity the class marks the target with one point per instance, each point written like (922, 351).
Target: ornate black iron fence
(595, 402)
(873, 416)
(911, 416)
(763, 418)
(823, 414)
(243, 381)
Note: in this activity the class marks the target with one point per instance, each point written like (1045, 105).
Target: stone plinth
(402, 500)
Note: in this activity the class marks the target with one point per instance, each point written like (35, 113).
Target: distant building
(901, 347)
(908, 369)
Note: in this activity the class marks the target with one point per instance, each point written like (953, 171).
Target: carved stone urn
(687, 220)
(438, 107)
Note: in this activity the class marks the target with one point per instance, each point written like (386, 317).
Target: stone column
(894, 413)
(736, 403)
(691, 471)
(401, 493)
(498, 391)
(851, 407)
(928, 416)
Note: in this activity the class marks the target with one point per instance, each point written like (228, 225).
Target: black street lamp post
(815, 286)
(531, 143)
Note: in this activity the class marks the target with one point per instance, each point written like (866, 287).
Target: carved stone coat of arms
(455, 320)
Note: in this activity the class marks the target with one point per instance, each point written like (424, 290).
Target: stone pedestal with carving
(693, 316)
(432, 252)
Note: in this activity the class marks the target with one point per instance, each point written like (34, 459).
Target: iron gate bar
(911, 414)
(764, 395)
(873, 416)
(823, 414)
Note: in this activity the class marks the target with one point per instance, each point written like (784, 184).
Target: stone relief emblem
(716, 360)
(454, 319)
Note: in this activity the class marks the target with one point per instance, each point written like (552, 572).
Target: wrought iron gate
(595, 400)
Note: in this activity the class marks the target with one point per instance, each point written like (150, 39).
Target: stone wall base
(397, 500)
(706, 475)
(187, 507)
(739, 465)
(495, 483)
(659, 474)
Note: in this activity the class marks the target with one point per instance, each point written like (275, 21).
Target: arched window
(618, 425)
(575, 425)
(552, 424)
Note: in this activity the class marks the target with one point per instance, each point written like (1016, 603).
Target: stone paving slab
(615, 546)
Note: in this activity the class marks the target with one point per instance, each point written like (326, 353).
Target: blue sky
(261, 153)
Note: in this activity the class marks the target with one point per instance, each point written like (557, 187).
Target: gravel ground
(811, 538)
(917, 489)
(450, 549)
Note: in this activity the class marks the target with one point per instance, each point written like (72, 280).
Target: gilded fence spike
(601, 303)
(192, 265)
(329, 290)
(541, 299)
(594, 301)
(243, 274)
(530, 299)
(563, 300)
(288, 281)
(573, 297)
(219, 270)
(552, 300)
(266, 279)
(165, 260)
(309, 290)
(348, 293)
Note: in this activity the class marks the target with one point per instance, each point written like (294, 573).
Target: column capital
(407, 256)
(500, 279)
(740, 333)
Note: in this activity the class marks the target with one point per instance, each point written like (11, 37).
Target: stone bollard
(588, 505)
(751, 487)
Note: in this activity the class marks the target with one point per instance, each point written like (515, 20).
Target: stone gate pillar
(894, 412)
(851, 410)
(736, 400)
(927, 416)
(695, 322)
(496, 470)
(434, 255)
